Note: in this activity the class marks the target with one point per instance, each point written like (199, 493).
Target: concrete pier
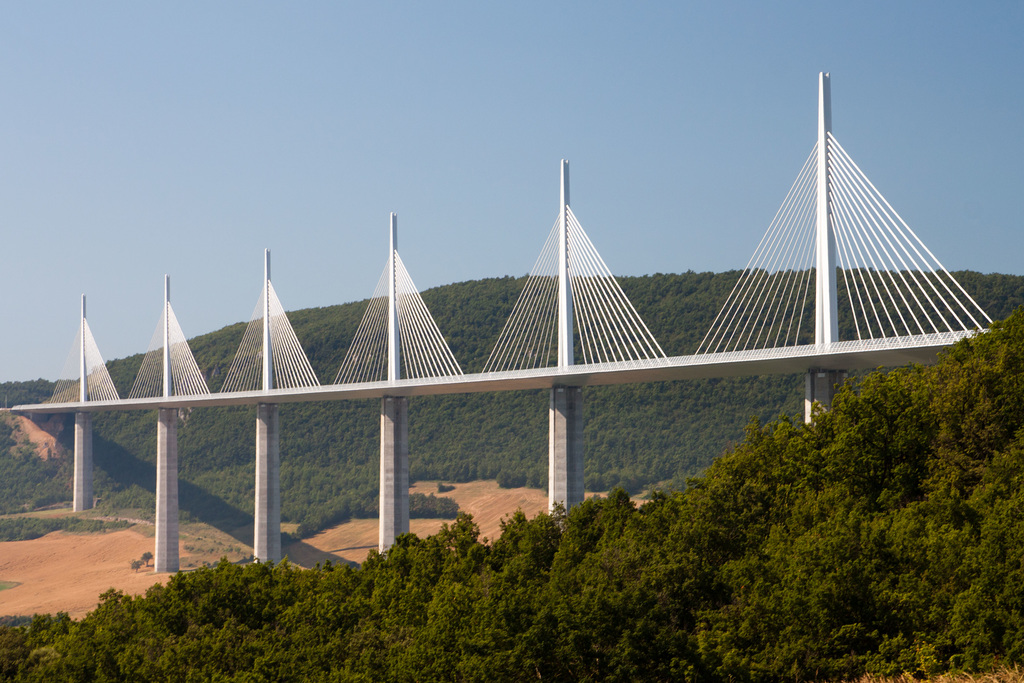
(166, 553)
(267, 542)
(83, 497)
(821, 386)
(565, 447)
(394, 469)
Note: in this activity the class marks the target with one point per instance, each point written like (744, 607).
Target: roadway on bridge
(851, 355)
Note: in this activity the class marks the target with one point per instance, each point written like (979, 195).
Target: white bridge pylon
(837, 249)
(570, 298)
(84, 377)
(397, 337)
(270, 356)
(169, 368)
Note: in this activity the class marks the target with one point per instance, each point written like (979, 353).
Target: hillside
(38, 551)
(636, 436)
(884, 538)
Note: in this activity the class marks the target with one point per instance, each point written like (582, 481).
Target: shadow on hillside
(302, 553)
(126, 470)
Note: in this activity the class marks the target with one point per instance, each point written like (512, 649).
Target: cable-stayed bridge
(836, 248)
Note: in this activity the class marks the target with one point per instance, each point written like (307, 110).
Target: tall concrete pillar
(565, 414)
(166, 553)
(394, 469)
(267, 542)
(565, 447)
(826, 302)
(820, 386)
(83, 498)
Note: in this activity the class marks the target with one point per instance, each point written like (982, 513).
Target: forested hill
(884, 538)
(636, 436)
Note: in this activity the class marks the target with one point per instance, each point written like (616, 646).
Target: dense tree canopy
(884, 537)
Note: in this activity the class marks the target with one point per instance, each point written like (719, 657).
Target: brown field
(353, 540)
(64, 572)
(1007, 675)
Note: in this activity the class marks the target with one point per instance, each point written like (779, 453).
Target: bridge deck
(851, 355)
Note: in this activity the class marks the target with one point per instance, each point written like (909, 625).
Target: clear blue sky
(139, 139)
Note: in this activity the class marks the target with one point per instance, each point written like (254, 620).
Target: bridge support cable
(269, 357)
(83, 378)
(889, 284)
(290, 366)
(769, 304)
(607, 325)
(397, 338)
(168, 368)
(571, 307)
(424, 351)
(917, 285)
(421, 348)
(528, 339)
(364, 360)
(874, 277)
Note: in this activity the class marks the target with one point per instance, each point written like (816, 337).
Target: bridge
(835, 247)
